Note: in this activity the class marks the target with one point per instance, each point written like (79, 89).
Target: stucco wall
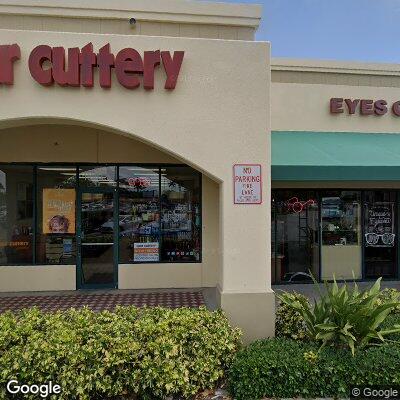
(74, 143)
(122, 26)
(341, 262)
(153, 18)
(301, 91)
(217, 116)
(332, 78)
(305, 107)
(37, 278)
(205, 114)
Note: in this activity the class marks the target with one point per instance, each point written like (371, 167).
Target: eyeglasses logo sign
(380, 225)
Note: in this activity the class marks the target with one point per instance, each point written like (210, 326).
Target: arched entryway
(126, 215)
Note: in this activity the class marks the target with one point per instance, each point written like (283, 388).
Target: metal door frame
(79, 273)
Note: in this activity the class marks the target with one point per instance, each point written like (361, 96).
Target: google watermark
(43, 390)
(375, 392)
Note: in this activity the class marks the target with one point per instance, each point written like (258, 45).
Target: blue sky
(357, 30)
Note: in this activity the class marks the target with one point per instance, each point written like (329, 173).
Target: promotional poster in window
(58, 211)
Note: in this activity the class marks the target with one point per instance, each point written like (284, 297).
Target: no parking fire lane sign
(247, 184)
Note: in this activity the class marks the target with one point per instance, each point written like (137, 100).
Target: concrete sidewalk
(311, 291)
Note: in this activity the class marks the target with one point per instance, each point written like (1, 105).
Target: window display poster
(379, 229)
(58, 211)
(247, 184)
(146, 252)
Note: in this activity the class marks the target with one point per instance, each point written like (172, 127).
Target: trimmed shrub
(390, 295)
(284, 368)
(289, 322)
(153, 352)
(391, 320)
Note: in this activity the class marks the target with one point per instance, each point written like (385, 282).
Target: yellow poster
(58, 210)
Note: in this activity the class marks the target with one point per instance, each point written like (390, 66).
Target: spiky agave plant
(344, 316)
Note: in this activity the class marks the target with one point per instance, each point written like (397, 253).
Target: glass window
(159, 212)
(296, 248)
(97, 176)
(56, 227)
(341, 234)
(139, 214)
(380, 239)
(16, 215)
(340, 211)
(181, 214)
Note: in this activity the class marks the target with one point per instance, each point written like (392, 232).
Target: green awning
(305, 156)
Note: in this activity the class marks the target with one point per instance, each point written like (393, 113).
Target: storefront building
(152, 144)
(335, 171)
(120, 128)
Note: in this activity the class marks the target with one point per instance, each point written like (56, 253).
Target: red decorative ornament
(296, 206)
(140, 182)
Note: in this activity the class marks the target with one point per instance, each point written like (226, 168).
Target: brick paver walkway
(102, 301)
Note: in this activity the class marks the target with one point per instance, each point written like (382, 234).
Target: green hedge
(389, 295)
(288, 321)
(286, 368)
(153, 353)
(392, 319)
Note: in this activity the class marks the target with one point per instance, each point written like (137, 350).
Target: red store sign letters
(47, 66)
(380, 107)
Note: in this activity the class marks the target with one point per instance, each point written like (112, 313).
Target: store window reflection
(98, 176)
(295, 236)
(159, 212)
(341, 251)
(16, 215)
(181, 214)
(139, 214)
(56, 213)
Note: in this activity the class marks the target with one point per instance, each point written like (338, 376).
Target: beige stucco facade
(301, 91)
(153, 18)
(217, 116)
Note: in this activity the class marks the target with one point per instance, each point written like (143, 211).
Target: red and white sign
(247, 184)
(146, 252)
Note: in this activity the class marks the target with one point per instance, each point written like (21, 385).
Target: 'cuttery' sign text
(76, 67)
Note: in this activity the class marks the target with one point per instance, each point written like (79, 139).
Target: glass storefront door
(295, 236)
(380, 239)
(97, 239)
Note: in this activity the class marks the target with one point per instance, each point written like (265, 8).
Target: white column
(245, 283)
